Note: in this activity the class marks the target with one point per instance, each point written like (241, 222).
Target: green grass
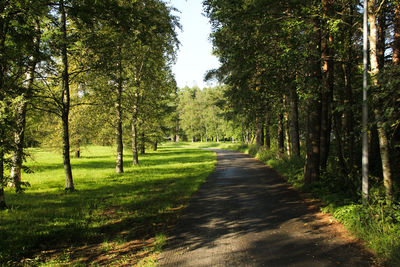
(221, 145)
(108, 214)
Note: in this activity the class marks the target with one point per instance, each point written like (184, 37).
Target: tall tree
(396, 38)
(313, 128)
(375, 69)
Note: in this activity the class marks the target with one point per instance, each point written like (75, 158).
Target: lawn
(111, 219)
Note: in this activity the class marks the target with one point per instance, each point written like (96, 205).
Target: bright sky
(194, 55)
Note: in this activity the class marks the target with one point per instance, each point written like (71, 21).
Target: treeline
(202, 116)
(294, 69)
(73, 71)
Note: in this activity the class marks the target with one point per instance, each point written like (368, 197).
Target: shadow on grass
(165, 156)
(136, 205)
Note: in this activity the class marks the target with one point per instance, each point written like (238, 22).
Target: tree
(375, 69)
(17, 34)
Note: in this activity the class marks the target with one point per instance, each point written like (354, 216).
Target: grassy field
(111, 220)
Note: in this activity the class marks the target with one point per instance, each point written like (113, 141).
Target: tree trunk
(2, 75)
(347, 122)
(2, 196)
(69, 184)
(78, 153)
(380, 46)
(20, 123)
(327, 88)
(384, 151)
(313, 121)
(286, 126)
(242, 133)
(267, 135)
(135, 156)
(142, 144)
(280, 138)
(15, 173)
(3, 205)
(259, 132)
(396, 39)
(294, 122)
(383, 140)
(348, 116)
(119, 167)
(155, 145)
(339, 144)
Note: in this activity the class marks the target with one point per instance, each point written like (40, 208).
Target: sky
(194, 56)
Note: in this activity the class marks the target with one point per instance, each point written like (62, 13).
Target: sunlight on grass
(107, 210)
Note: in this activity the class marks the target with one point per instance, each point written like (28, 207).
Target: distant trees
(296, 63)
(203, 115)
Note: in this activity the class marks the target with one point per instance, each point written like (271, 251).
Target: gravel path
(245, 215)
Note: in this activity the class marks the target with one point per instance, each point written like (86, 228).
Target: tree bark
(119, 167)
(142, 144)
(19, 133)
(155, 145)
(15, 173)
(396, 39)
(78, 152)
(267, 135)
(2, 196)
(339, 144)
(286, 127)
(259, 132)
(135, 156)
(294, 122)
(327, 88)
(383, 139)
(3, 205)
(2, 89)
(69, 184)
(313, 121)
(280, 139)
(380, 46)
(348, 103)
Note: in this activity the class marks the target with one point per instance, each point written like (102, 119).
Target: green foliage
(202, 114)
(141, 203)
(377, 224)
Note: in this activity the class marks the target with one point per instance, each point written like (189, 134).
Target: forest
(297, 68)
(318, 83)
(291, 91)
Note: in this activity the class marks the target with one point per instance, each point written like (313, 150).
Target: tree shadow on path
(245, 215)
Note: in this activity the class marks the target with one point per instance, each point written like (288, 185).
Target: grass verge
(111, 220)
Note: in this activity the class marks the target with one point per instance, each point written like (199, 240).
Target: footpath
(245, 215)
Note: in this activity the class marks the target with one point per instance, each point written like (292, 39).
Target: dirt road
(245, 215)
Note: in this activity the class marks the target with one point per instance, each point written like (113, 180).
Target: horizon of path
(246, 215)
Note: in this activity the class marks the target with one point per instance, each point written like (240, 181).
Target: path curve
(245, 215)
